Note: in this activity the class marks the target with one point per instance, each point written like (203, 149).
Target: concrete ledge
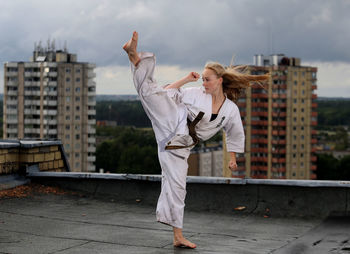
(196, 179)
(215, 194)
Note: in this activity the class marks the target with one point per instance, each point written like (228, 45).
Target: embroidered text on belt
(192, 132)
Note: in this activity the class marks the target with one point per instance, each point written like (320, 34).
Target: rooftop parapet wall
(16, 156)
(279, 198)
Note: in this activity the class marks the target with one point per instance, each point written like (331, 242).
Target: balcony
(314, 87)
(261, 132)
(31, 112)
(32, 102)
(259, 123)
(259, 168)
(256, 113)
(91, 112)
(31, 121)
(91, 149)
(92, 121)
(314, 105)
(313, 113)
(50, 93)
(279, 132)
(241, 104)
(11, 102)
(50, 103)
(14, 93)
(259, 159)
(50, 112)
(260, 95)
(314, 96)
(12, 83)
(91, 140)
(11, 130)
(313, 158)
(12, 121)
(279, 123)
(259, 150)
(279, 105)
(259, 140)
(260, 104)
(34, 93)
(32, 130)
(11, 111)
(50, 122)
(52, 74)
(91, 158)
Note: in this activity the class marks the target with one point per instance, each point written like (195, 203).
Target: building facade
(279, 119)
(53, 97)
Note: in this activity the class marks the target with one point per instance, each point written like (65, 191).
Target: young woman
(182, 116)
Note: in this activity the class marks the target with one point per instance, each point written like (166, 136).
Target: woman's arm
(191, 77)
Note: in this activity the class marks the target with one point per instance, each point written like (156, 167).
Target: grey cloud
(187, 33)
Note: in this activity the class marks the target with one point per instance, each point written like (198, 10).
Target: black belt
(192, 132)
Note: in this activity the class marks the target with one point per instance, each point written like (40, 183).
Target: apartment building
(279, 119)
(53, 96)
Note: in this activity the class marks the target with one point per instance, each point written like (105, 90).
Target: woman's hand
(232, 165)
(192, 77)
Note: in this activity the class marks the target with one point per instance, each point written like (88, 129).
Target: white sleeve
(234, 132)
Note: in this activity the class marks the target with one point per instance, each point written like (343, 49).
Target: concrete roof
(76, 223)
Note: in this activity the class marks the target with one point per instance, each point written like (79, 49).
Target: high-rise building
(53, 97)
(279, 119)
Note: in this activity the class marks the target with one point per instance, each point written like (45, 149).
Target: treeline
(333, 113)
(330, 113)
(127, 150)
(331, 168)
(125, 113)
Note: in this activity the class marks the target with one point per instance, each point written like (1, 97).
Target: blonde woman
(181, 117)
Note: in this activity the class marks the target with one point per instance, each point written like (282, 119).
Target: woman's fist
(192, 76)
(232, 165)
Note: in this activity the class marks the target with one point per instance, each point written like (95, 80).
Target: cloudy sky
(184, 35)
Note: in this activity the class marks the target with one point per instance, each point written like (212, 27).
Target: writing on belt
(192, 132)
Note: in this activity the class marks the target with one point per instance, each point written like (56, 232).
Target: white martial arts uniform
(168, 110)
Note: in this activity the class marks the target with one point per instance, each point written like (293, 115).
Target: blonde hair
(235, 79)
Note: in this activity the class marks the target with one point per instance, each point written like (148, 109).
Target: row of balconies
(11, 130)
(11, 102)
(12, 83)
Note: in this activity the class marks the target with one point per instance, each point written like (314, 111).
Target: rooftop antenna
(65, 47)
(232, 59)
(53, 46)
(48, 44)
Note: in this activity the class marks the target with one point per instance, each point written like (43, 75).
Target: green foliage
(129, 150)
(333, 112)
(127, 113)
(330, 168)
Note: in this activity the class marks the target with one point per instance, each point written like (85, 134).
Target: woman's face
(211, 82)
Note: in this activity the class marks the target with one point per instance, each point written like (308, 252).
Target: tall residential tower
(53, 97)
(279, 119)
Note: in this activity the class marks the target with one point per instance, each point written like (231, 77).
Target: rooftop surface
(38, 219)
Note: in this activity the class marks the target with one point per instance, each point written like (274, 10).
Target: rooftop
(99, 213)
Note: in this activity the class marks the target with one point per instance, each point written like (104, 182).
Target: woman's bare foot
(131, 48)
(181, 241)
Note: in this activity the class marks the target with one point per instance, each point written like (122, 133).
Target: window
(67, 108)
(77, 89)
(67, 136)
(77, 98)
(67, 127)
(67, 70)
(295, 82)
(77, 165)
(77, 108)
(77, 70)
(77, 80)
(67, 79)
(67, 117)
(77, 137)
(77, 155)
(68, 99)
(67, 89)
(77, 117)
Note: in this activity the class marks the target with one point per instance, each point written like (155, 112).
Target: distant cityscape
(53, 96)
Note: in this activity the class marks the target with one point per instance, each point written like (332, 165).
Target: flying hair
(235, 78)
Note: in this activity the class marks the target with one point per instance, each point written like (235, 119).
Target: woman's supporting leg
(167, 117)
